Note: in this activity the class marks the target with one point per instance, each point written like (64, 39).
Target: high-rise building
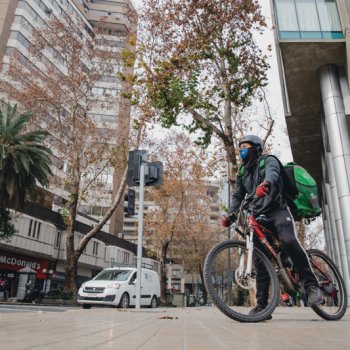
(18, 18)
(313, 46)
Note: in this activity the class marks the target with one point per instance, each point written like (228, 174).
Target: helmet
(253, 140)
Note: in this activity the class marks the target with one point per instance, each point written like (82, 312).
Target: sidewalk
(176, 328)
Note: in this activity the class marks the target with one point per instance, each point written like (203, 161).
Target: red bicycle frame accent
(257, 229)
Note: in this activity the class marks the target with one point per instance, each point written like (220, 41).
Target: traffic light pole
(140, 234)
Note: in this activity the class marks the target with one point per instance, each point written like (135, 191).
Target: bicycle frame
(258, 230)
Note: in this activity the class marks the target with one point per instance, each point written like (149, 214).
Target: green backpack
(305, 204)
(299, 189)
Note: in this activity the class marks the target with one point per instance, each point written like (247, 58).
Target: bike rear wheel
(334, 302)
(231, 290)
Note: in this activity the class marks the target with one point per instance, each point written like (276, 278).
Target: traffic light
(153, 170)
(134, 163)
(130, 199)
(154, 174)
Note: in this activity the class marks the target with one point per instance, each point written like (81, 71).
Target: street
(39, 328)
(29, 308)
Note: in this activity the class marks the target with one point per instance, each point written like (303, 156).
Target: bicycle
(230, 272)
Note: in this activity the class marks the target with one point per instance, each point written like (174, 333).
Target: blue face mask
(243, 153)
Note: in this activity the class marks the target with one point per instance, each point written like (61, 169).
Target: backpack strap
(241, 170)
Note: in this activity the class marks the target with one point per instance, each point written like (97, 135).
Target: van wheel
(124, 301)
(154, 303)
(86, 306)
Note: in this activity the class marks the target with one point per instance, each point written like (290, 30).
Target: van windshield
(113, 275)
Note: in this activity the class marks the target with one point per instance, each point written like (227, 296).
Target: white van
(116, 286)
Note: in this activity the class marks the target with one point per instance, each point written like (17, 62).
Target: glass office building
(313, 42)
(308, 19)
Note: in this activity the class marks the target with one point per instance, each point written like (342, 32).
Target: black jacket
(248, 180)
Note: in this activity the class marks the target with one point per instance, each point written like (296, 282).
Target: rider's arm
(237, 196)
(272, 170)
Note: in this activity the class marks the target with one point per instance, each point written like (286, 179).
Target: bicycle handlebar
(250, 198)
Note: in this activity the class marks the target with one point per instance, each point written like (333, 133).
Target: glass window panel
(286, 15)
(307, 15)
(311, 35)
(290, 35)
(328, 14)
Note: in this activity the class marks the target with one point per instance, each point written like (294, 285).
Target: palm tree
(24, 159)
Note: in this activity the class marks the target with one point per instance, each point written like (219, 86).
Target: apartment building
(313, 45)
(105, 107)
(37, 251)
(38, 247)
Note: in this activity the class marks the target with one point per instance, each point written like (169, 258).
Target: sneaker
(257, 309)
(314, 295)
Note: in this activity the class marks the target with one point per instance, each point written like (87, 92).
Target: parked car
(116, 286)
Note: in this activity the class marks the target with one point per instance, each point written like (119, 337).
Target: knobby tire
(220, 303)
(322, 309)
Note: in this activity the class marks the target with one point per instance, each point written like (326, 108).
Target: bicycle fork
(246, 260)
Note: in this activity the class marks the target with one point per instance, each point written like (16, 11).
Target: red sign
(17, 262)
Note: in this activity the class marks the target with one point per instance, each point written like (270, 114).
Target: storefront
(12, 263)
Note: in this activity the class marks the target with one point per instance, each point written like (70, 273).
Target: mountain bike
(230, 272)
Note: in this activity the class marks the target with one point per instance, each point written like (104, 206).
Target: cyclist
(270, 203)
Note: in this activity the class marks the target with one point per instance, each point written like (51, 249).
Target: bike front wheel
(233, 291)
(334, 302)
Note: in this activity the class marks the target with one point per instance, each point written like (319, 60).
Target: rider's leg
(262, 279)
(284, 223)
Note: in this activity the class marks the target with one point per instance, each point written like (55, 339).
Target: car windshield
(113, 275)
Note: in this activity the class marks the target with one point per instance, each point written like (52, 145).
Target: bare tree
(180, 215)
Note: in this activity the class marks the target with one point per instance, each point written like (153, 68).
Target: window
(176, 272)
(109, 118)
(34, 229)
(95, 248)
(58, 240)
(308, 19)
(66, 168)
(129, 224)
(126, 258)
(21, 38)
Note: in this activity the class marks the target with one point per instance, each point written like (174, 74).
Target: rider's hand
(263, 189)
(226, 221)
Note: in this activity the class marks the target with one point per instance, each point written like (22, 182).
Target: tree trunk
(70, 283)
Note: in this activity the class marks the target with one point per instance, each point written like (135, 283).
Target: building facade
(313, 46)
(37, 251)
(114, 20)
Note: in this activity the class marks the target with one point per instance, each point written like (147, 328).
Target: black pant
(284, 224)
